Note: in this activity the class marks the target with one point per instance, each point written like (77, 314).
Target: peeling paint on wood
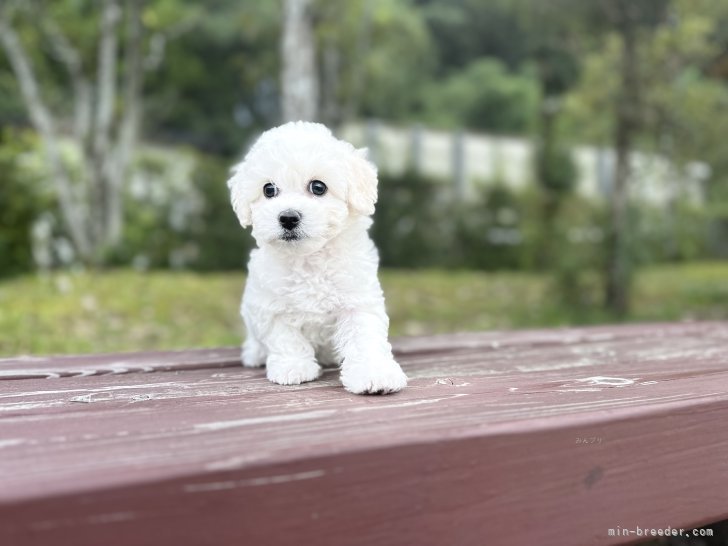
(573, 431)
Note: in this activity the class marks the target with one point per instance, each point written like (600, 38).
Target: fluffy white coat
(316, 299)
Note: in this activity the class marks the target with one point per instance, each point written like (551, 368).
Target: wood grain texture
(531, 437)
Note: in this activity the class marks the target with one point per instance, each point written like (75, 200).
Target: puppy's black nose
(289, 219)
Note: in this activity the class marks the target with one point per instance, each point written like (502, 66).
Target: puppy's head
(299, 186)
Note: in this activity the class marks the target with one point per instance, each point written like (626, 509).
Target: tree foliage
(484, 96)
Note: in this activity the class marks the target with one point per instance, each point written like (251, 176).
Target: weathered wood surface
(533, 437)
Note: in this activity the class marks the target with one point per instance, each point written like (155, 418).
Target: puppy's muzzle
(289, 219)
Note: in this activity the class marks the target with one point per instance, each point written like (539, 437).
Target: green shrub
(420, 223)
(21, 202)
(222, 244)
(555, 168)
(490, 229)
(151, 238)
(189, 225)
(577, 261)
(410, 223)
(679, 232)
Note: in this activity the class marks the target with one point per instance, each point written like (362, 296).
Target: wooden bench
(529, 437)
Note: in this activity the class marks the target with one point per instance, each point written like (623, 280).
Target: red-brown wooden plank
(480, 449)
(54, 367)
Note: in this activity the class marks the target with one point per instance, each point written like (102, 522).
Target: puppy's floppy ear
(362, 188)
(239, 194)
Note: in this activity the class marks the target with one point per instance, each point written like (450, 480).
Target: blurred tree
(627, 18)
(375, 57)
(551, 42)
(218, 87)
(481, 57)
(299, 74)
(20, 203)
(556, 174)
(344, 34)
(646, 88)
(466, 30)
(687, 112)
(106, 112)
(484, 96)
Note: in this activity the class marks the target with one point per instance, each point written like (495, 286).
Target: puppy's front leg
(291, 358)
(368, 365)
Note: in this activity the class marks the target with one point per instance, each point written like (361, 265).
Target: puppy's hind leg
(327, 357)
(253, 354)
(291, 356)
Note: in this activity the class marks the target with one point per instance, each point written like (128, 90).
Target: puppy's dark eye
(270, 190)
(317, 187)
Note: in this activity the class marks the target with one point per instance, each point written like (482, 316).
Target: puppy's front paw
(373, 378)
(285, 371)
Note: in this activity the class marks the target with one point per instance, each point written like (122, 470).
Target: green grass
(125, 310)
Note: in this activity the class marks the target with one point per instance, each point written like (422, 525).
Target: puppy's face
(299, 186)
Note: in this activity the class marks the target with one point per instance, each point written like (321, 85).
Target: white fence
(472, 160)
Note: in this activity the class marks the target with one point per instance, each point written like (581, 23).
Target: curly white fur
(315, 300)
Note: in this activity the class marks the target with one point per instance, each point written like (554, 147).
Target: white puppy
(312, 295)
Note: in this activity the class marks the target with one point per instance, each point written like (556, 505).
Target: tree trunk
(129, 126)
(72, 211)
(105, 130)
(299, 78)
(331, 67)
(101, 164)
(550, 197)
(358, 83)
(627, 115)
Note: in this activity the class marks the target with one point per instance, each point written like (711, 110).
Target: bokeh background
(542, 162)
